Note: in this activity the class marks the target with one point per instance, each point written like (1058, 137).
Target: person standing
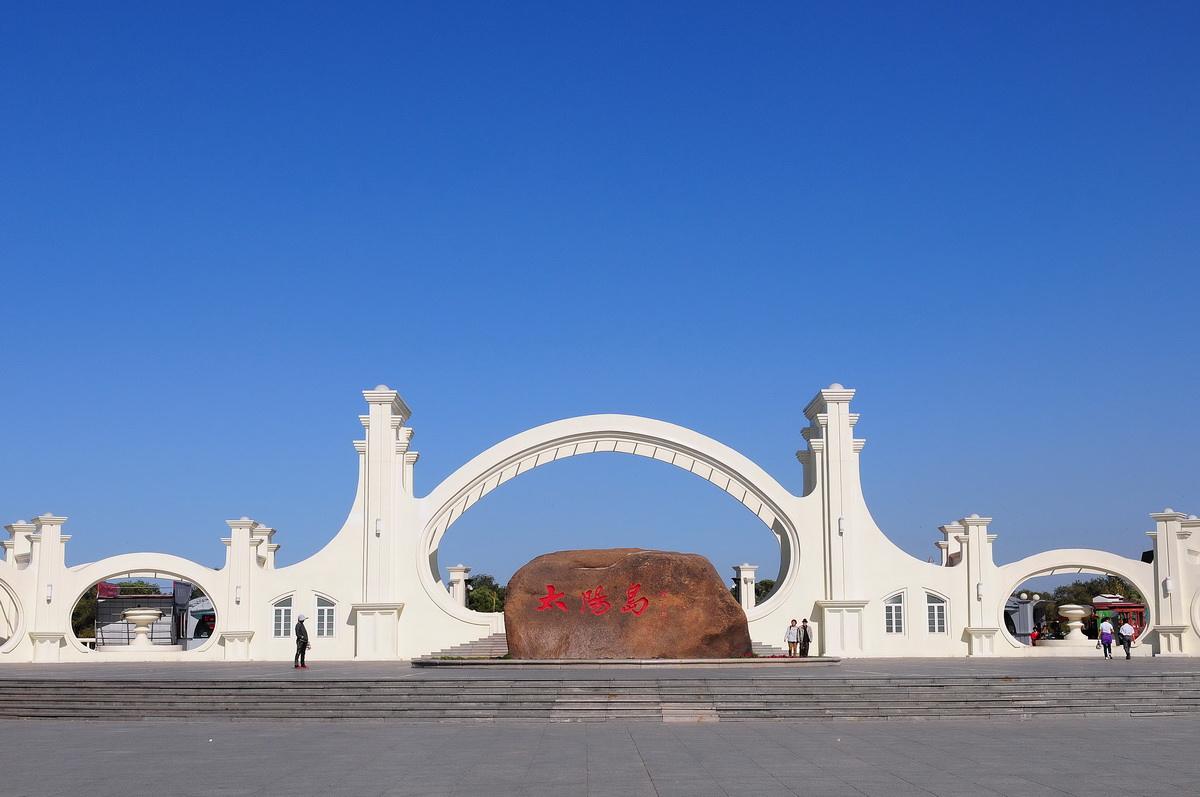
(1106, 637)
(792, 637)
(301, 643)
(805, 637)
(1127, 631)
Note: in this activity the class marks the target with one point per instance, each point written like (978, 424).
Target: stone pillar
(388, 478)
(745, 580)
(978, 569)
(832, 459)
(237, 627)
(458, 583)
(831, 470)
(949, 546)
(266, 546)
(17, 547)
(1171, 583)
(50, 617)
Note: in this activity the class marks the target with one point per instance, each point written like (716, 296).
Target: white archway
(1068, 561)
(153, 565)
(675, 445)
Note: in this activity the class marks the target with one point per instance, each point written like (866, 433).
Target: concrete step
(594, 699)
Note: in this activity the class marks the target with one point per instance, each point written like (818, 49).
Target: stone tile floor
(950, 758)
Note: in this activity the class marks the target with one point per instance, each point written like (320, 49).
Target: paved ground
(868, 668)
(946, 758)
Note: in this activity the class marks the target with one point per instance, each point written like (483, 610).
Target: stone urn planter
(1074, 614)
(141, 618)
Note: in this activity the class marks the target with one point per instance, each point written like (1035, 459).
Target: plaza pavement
(1060, 756)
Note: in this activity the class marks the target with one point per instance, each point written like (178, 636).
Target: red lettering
(596, 600)
(633, 603)
(551, 600)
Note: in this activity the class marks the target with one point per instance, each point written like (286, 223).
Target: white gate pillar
(458, 583)
(1170, 618)
(51, 619)
(746, 579)
(976, 547)
(237, 627)
(388, 480)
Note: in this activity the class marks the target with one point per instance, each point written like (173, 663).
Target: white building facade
(375, 591)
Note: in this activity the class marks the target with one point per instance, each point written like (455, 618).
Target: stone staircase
(496, 647)
(733, 696)
(490, 647)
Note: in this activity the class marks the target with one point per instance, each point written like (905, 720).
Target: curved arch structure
(380, 571)
(1068, 561)
(716, 463)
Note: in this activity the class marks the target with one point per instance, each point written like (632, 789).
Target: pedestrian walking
(1127, 631)
(805, 637)
(792, 637)
(302, 645)
(1106, 638)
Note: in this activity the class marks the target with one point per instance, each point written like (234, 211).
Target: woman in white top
(792, 637)
(1106, 638)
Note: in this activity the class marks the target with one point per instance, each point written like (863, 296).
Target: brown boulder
(622, 603)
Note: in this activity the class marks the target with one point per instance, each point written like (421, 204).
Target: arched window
(935, 610)
(324, 616)
(893, 614)
(283, 617)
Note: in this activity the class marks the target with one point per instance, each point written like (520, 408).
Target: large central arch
(675, 445)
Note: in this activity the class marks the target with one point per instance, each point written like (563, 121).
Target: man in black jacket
(806, 637)
(301, 643)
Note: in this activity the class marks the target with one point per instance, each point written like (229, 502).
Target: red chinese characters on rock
(633, 603)
(595, 601)
(552, 600)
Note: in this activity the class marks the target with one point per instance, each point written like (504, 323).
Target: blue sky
(218, 224)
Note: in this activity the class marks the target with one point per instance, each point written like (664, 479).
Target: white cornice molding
(385, 395)
(834, 394)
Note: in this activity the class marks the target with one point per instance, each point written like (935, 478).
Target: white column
(746, 579)
(51, 617)
(458, 583)
(18, 543)
(832, 461)
(1171, 588)
(236, 627)
(976, 548)
(388, 485)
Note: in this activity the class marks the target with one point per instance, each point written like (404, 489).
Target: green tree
(83, 616)
(484, 594)
(761, 590)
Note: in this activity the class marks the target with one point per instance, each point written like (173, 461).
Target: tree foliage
(485, 595)
(761, 590)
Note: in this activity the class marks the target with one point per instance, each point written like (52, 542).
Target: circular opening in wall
(128, 612)
(1062, 613)
(10, 618)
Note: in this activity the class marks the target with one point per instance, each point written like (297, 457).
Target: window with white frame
(324, 616)
(935, 610)
(283, 618)
(893, 614)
